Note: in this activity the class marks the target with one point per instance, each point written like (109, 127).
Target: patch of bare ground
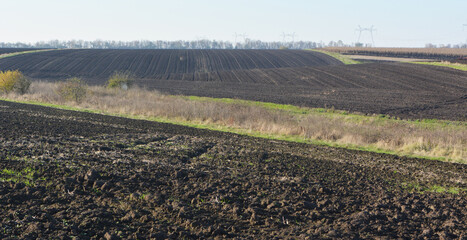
(78, 175)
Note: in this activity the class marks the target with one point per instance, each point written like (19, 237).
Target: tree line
(460, 45)
(195, 44)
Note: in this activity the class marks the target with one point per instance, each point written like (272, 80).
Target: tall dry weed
(399, 136)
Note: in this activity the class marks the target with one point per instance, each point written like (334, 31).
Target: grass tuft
(25, 176)
(73, 89)
(415, 187)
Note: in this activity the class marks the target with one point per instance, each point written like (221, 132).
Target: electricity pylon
(283, 37)
(463, 28)
(370, 30)
(235, 35)
(292, 35)
(244, 36)
(287, 35)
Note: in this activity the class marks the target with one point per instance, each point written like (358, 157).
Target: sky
(398, 23)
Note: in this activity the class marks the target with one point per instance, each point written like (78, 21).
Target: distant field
(396, 89)
(302, 78)
(95, 63)
(430, 53)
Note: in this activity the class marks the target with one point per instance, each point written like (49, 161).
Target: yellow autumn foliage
(13, 81)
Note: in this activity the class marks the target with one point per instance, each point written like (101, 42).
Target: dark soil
(85, 176)
(149, 64)
(460, 60)
(302, 78)
(404, 90)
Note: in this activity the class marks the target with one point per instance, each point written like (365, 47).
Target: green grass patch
(415, 187)
(25, 175)
(458, 66)
(344, 59)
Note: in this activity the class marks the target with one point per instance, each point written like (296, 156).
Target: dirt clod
(223, 193)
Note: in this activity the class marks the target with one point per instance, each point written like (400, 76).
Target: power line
(463, 28)
(292, 35)
(283, 36)
(235, 35)
(370, 30)
(201, 38)
(244, 36)
(288, 35)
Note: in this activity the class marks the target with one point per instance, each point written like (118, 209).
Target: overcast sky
(399, 23)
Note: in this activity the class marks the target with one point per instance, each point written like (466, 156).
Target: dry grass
(429, 139)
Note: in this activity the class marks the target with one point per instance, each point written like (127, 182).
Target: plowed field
(302, 78)
(430, 53)
(68, 174)
(396, 89)
(100, 64)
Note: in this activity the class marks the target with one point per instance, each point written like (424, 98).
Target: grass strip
(24, 52)
(458, 66)
(241, 131)
(344, 59)
(332, 113)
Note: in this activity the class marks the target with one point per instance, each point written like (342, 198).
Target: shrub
(74, 89)
(122, 80)
(14, 81)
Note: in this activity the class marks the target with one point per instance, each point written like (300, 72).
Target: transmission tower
(244, 36)
(370, 30)
(235, 35)
(292, 35)
(463, 28)
(288, 35)
(283, 35)
(201, 38)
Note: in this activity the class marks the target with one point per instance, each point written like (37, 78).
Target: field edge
(244, 132)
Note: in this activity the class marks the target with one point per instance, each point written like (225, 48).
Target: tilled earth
(302, 78)
(77, 175)
(405, 90)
